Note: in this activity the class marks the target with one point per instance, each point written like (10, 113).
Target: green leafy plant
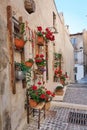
(21, 67)
(40, 94)
(39, 31)
(63, 77)
(57, 56)
(30, 60)
(59, 87)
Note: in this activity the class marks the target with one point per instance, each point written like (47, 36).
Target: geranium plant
(58, 72)
(39, 31)
(47, 34)
(40, 94)
(39, 60)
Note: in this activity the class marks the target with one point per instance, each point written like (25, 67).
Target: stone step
(69, 105)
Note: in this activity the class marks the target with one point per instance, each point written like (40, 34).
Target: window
(16, 27)
(73, 41)
(54, 19)
(75, 56)
(75, 69)
(81, 47)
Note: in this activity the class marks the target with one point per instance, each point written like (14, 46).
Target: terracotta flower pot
(32, 103)
(59, 92)
(19, 43)
(40, 40)
(28, 64)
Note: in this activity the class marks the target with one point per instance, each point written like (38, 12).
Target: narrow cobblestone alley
(75, 100)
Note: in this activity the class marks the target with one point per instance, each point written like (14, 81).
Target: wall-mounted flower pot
(40, 40)
(19, 75)
(28, 64)
(30, 6)
(19, 43)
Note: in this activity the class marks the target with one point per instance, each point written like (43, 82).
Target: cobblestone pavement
(59, 121)
(74, 94)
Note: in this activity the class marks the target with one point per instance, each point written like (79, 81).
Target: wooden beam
(11, 49)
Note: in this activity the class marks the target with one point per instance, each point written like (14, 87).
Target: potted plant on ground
(59, 90)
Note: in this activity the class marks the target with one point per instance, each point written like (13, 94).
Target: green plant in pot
(62, 79)
(21, 70)
(29, 62)
(57, 56)
(59, 90)
(40, 94)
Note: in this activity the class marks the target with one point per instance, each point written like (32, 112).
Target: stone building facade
(12, 101)
(79, 42)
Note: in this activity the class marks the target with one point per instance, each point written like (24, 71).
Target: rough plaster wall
(5, 117)
(41, 17)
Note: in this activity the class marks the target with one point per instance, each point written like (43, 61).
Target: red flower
(39, 28)
(42, 96)
(48, 92)
(52, 38)
(56, 71)
(47, 29)
(53, 94)
(34, 87)
(37, 55)
(41, 55)
(39, 83)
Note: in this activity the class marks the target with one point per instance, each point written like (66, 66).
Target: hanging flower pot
(40, 40)
(19, 75)
(19, 43)
(29, 63)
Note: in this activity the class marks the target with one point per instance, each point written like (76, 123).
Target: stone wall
(12, 105)
(5, 106)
